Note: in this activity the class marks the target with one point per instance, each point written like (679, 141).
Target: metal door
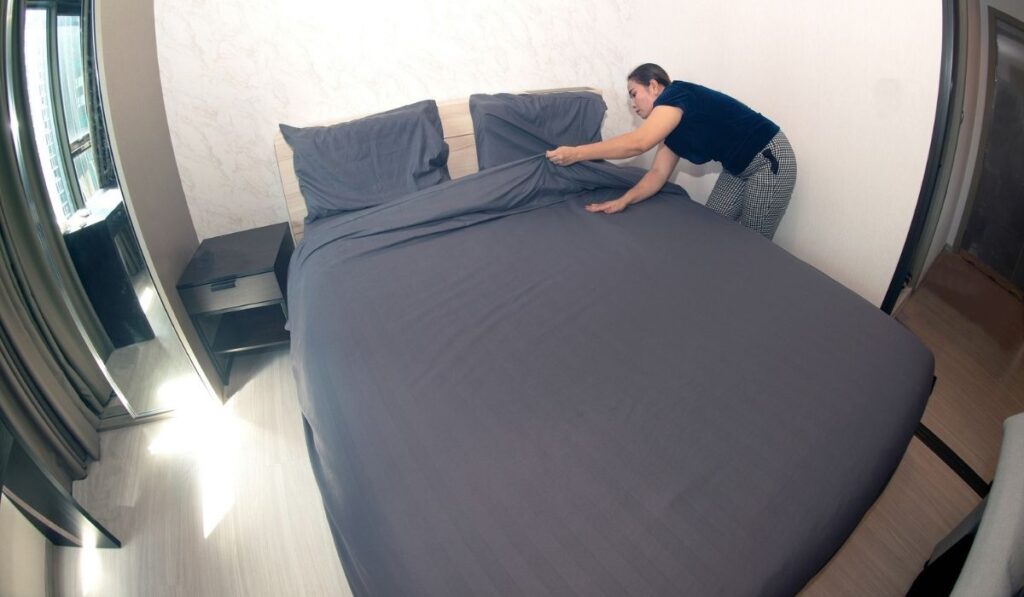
(993, 229)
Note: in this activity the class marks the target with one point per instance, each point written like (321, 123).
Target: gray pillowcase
(366, 162)
(510, 127)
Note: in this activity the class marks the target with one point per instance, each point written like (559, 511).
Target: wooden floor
(221, 500)
(218, 501)
(975, 328)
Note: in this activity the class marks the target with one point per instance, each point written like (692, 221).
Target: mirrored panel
(120, 311)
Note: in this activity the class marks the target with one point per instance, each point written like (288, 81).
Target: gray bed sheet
(506, 395)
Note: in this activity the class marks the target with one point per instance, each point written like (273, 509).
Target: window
(57, 79)
(73, 94)
(37, 75)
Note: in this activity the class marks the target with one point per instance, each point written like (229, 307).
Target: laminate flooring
(220, 500)
(975, 328)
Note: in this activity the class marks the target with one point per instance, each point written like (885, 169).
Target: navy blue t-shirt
(715, 127)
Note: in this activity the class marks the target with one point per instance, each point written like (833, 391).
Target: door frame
(939, 155)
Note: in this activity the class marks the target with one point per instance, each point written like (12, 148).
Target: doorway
(992, 229)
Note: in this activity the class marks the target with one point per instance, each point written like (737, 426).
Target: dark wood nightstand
(234, 289)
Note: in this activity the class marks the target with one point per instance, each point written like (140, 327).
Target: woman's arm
(662, 121)
(664, 163)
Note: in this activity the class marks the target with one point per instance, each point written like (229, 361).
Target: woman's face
(641, 97)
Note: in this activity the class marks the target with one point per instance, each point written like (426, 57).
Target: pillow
(511, 127)
(366, 162)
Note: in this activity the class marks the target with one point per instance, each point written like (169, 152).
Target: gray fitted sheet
(507, 395)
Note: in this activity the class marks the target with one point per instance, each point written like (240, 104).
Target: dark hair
(645, 73)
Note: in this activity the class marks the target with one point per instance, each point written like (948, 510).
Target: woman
(700, 124)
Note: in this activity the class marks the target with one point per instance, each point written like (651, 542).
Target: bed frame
(458, 133)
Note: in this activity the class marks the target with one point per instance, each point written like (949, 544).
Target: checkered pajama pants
(760, 194)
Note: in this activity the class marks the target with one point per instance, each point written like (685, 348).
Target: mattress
(507, 395)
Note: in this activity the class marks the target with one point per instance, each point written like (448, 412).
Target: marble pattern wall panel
(233, 70)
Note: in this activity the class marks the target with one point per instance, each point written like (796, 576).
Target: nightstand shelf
(250, 329)
(234, 290)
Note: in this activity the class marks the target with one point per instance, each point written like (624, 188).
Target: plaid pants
(760, 195)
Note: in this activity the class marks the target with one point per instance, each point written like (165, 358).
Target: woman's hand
(563, 156)
(608, 207)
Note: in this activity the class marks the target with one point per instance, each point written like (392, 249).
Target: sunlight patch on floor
(89, 569)
(180, 392)
(207, 432)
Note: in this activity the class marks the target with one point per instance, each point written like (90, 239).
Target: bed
(506, 395)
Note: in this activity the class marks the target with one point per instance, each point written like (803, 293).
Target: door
(993, 229)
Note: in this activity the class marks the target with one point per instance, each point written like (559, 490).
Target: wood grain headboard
(458, 132)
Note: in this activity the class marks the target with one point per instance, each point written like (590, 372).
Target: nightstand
(234, 290)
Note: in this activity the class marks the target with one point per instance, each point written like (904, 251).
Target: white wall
(22, 554)
(853, 84)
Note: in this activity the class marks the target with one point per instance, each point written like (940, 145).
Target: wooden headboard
(458, 133)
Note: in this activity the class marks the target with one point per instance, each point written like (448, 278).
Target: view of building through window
(37, 73)
(54, 148)
(73, 94)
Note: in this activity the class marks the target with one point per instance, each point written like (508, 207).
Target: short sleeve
(675, 95)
